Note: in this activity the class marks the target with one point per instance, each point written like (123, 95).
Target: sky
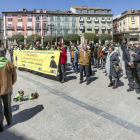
(117, 6)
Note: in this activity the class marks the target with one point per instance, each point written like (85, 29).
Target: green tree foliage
(32, 38)
(105, 37)
(48, 39)
(19, 38)
(91, 37)
(71, 37)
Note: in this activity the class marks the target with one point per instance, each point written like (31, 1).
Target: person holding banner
(62, 63)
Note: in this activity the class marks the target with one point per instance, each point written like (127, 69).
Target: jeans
(7, 109)
(62, 71)
(96, 61)
(73, 65)
(76, 66)
(87, 72)
(92, 60)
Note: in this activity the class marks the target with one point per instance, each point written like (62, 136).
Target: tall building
(93, 20)
(126, 26)
(79, 20)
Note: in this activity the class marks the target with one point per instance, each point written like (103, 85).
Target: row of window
(29, 24)
(96, 18)
(93, 11)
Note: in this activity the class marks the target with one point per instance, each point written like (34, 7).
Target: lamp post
(51, 27)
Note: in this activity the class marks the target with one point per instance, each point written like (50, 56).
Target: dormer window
(38, 11)
(44, 11)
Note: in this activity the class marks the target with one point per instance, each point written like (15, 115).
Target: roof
(41, 12)
(87, 7)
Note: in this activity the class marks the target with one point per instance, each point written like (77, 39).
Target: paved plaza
(73, 111)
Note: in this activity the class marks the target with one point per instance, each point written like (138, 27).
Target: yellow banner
(40, 61)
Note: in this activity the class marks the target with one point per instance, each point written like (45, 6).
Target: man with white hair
(132, 68)
(84, 60)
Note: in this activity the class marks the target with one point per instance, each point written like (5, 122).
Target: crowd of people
(83, 59)
(86, 57)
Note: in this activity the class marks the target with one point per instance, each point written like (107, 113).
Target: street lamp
(51, 27)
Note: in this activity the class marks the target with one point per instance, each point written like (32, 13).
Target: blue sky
(117, 6)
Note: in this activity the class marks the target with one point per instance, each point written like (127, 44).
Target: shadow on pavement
(15, 107)
(7, 135)
(120, 83)
(68, 78)
(70, 72)
(92, 79)
(25, 115)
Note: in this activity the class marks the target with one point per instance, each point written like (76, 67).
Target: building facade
(93, 20)
(78, 20)
(1, 31)
(127, 26)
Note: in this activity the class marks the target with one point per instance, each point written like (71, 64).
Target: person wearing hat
(53, 63)
(8, 77)
(132, 67)
(62, 63)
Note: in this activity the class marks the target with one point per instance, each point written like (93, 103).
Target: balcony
(108, 20)
(96, 20)
(103, 20)
(81, 20)
(29, 28)
(89, 20)
(82, 27)
(10, 19)
(20, 27)
(89, 27)
(29, 19)
(19, 19)
(96, 28)
(133, 28)
(10, 27)
(65, 27)
(103, 28)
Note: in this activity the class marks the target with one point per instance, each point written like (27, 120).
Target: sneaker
(80, 82)
(114, 87)
(130, 89)
(110, 85)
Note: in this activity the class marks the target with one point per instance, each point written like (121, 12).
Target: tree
(32, 38)
(48, 39)
(19, 38)
(105, 37)
(91, 37)
(71, 37)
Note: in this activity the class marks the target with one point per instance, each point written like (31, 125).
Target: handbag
(117, 67)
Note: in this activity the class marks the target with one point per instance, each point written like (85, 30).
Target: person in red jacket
(62, 63)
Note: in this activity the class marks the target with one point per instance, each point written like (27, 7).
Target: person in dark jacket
(11, 53)
(112, 59)
(37, 47)
(132, 67)
(123, 46)
(92, 50)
